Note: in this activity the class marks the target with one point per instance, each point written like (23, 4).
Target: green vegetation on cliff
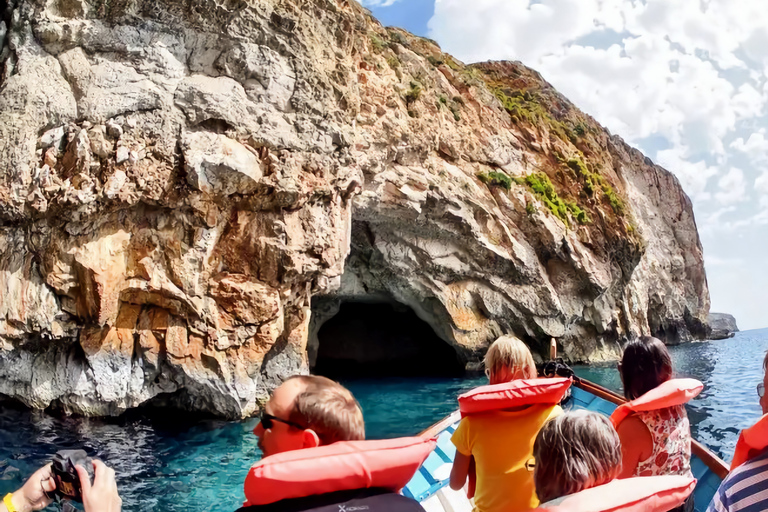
(541, 186)
(591, 180)
(495, 178)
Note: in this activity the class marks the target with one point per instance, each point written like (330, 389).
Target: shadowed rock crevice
(382, 339)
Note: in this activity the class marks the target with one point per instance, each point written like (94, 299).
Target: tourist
(101, 496)
(573, 452)
(577, 462)
(745, 489)
(317, 415)
(655, 442)
(308, 411)
(501, 441)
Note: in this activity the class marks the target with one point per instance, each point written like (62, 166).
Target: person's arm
(463, 458)
(32, 496)
(101, 496)
(636, 445)
(460, 470)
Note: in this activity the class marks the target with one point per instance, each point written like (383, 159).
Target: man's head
(507, 359)
(308, 411)
(763, 398)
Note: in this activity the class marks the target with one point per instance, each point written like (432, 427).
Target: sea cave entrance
(380, 339)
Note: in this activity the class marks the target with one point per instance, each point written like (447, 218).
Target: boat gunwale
(441, 425)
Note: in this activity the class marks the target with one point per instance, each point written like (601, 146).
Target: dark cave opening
(382, 340)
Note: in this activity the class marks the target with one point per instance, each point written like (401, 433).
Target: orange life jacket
(752, 441)
(670, 393)
(516, 393)
(638, 494)
(348, 465)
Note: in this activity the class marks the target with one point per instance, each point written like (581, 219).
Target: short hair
(575, 451)
(645, 365)
(509, 355)
(329, 409)
(765, 362)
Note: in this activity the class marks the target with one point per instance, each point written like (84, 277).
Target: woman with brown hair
(655, 442)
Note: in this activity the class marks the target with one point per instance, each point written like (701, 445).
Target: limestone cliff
(721, 326)
(182, 182)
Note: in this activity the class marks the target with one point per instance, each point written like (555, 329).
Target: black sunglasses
(267, 421)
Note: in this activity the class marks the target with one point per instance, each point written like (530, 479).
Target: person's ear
(310, 438)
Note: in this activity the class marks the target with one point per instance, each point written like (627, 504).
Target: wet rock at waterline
(190, 190)
(722, 326)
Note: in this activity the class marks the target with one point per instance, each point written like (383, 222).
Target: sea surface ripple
(175, 463)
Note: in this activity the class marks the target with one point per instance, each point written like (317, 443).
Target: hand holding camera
(101, 496)
(72, 475)
(68, 480)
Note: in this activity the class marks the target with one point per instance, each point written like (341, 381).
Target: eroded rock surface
(721, 326)
(181, 184)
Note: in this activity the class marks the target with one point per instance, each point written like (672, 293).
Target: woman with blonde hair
(501, 441)
(508, 358)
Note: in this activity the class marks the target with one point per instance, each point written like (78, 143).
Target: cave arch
(380, 338)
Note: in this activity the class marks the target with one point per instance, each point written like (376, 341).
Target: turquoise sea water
(178, 464)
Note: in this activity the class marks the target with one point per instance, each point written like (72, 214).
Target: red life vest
(516, 393)
(638, 494)
(752, 441)
(348, 465)
(668, 394)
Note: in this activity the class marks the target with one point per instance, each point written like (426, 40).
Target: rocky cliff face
(721, 326)
(190, 188)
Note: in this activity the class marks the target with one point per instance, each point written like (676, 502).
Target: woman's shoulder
(633, 427)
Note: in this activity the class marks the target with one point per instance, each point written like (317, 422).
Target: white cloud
(693, 176)
(761, 183)
(756, 146)
(733, 187)
(748, 102)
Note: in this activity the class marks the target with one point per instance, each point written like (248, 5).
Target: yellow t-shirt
(502, 444)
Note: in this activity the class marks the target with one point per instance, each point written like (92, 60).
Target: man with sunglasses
(308, 411)
(745, 489)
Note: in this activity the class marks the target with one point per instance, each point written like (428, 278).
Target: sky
(685, 81)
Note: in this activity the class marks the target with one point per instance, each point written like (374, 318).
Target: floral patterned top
(671, 433)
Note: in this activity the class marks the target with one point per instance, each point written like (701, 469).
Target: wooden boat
(430, 484)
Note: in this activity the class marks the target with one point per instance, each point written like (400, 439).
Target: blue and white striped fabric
(745, 489)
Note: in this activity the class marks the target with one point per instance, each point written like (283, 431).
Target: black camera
(67, 480)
